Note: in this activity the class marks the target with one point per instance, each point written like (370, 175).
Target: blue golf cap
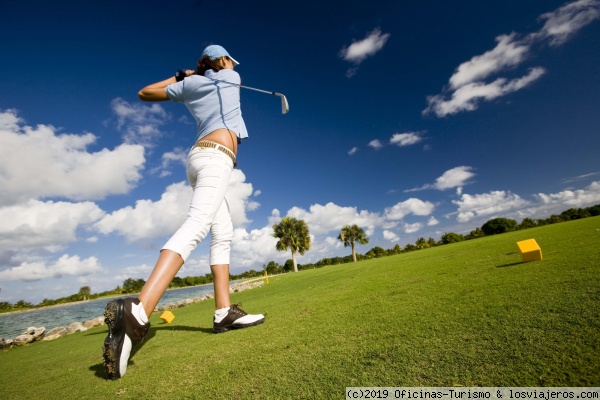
(215, 51)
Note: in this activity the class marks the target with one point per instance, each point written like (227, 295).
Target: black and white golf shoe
(127, 326)
(236, 318)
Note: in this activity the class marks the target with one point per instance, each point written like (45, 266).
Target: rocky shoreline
(33, 334)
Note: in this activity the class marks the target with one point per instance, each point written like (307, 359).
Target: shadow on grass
(510, 265)
(98, 369)
(166, 327)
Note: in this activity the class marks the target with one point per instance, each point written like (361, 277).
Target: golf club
(285, 108)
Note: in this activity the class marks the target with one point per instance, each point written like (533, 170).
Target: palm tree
(293, 235)
(85, 292)
(431, 242)
(351, 234)
(421, 243)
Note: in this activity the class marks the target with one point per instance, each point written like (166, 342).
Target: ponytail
(205, 63)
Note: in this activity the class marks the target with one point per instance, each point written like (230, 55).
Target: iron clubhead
(285, 107)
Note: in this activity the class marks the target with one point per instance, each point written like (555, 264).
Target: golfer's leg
(221, 285)
(227, 316)
(167, 265)
(221, 233)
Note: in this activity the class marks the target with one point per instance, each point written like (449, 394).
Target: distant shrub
(499, 225)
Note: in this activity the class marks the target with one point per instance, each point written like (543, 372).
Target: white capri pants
(208, 172)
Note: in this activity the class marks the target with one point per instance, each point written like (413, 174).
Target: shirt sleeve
(175, 92)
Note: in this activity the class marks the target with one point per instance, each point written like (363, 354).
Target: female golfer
(215, 106)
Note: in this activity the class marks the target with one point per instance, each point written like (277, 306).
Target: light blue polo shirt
(213, 104)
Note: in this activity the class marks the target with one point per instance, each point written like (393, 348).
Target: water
(14, 324)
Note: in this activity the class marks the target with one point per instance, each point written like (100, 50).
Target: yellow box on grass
(167, 316)
(530, 250)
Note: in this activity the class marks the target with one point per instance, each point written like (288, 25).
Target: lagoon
(14, 324)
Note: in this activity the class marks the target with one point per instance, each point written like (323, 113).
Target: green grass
(468, 314)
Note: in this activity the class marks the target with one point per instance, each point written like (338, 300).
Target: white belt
(218, 147)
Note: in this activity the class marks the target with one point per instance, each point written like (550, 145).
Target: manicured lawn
(468, 314)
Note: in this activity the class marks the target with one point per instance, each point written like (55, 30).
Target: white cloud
(358, 51)
(580, 177)
(139, 123)
(39, 224)
(331, 217)
(456, 177)
(353, 151)
(10, 121)
(410, 206)
(69, 170)
(488, 204)
(333, 243)
(199, 264)
(253, 248)
(412, 228)
(467, 97)
(252, 206)
(467, 86)
(507, 53)
(399, 139)
(141, 271)
(509, 205)
(65, 265)
(275, 217)
(555, 203)
(376, 144)
(573, 198)
(149, 219)
(238, 197)
(567, 20)
(178, 156)
(406, 139)
(432, 221)
(391, 236)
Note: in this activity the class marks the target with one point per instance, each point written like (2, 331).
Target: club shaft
(284, 103)
(246, 87)
(258, 90)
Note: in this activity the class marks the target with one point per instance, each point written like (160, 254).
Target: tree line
(130, 286)
(351, 235)
(293, 235)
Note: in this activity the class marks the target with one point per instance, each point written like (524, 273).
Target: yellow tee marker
(167, 316)
(530, 251)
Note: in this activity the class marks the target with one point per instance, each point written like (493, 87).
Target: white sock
(139, 313)
(221, 313)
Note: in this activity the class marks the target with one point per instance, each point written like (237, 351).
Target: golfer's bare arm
(156, 91)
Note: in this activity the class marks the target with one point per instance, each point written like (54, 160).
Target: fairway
(464, 314)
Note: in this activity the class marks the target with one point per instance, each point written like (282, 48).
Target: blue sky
(408, 118)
